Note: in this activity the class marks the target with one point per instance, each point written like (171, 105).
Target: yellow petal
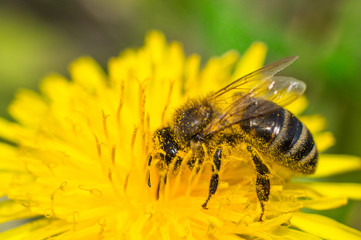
(58, 82)
(92, 232)
(331, 164)
(6, 130)
(251, 60)
(87, 73)
(36, 230)
(215, 75)
(28, 108)
(299, 106)
(288, 233)
(350, 190)
(191, 69)
(156, 43)
(325, 203)
(324, 227)
(229, 237)
(9, 158)
(314, 123)
(11, 210)
(324, 141)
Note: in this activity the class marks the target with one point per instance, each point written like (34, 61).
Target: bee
(250, 111)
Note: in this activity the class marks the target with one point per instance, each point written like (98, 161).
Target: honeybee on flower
(75, 160)
(252, 113)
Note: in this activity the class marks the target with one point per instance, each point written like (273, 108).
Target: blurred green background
(38, 37)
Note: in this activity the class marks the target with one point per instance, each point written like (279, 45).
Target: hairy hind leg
(262, 183)
(215, 178)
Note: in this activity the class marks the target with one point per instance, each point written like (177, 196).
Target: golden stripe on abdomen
(284, 138)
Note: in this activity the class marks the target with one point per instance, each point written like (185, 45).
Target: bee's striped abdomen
(284, 138)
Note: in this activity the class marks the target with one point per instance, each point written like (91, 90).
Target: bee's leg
(262, 183)
(162, 181)
(177, 164)
(149, 183)
(214, 180)
(196, 160)
(149, 164)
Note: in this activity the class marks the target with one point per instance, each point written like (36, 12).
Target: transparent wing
(246, 83)
(255, 94)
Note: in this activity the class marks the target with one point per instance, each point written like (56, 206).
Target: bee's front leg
(215, 178)
(263, 186)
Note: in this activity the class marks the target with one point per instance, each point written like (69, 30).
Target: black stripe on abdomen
(296, 145)
(284, 138)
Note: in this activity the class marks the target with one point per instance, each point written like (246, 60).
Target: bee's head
(190, 120)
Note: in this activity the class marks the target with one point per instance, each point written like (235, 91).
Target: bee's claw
(204, 205)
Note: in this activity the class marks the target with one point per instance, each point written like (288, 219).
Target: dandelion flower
(74, 161)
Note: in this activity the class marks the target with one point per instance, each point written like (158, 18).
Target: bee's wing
(255, 94)
(246, 83)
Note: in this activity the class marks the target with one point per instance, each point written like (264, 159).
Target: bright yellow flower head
(75, 160)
